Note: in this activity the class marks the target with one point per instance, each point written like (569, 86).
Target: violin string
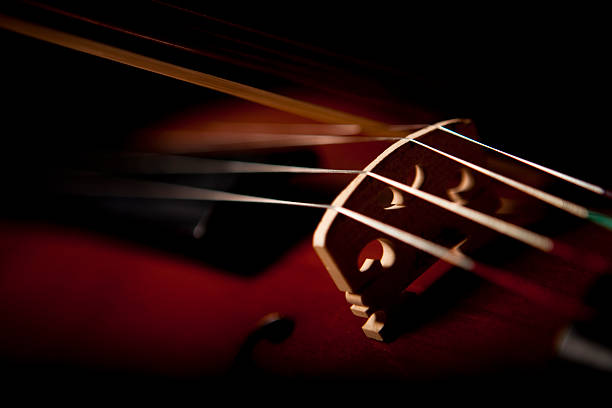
(312, 140)
(322, 129)
(319, 129)
(180, 141)
(573, 180)
(154, 164)
(565, 205)
(220, 136)
(551, 299)
(302, 139)
(262, 136)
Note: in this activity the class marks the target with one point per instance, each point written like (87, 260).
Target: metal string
(562, 304)
(154, 164)
(573, 180)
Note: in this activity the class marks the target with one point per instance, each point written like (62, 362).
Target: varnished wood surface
(85, 303)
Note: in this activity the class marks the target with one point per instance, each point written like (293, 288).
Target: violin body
(106, 289)
(78, 303)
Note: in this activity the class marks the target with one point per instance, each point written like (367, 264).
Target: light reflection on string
(562, 304)
(154, 164)
(558, 174)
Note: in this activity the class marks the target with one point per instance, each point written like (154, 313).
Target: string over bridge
(374, 287)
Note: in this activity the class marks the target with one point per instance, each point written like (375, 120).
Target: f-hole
(380, 250)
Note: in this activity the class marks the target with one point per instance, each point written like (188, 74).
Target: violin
(193, 197)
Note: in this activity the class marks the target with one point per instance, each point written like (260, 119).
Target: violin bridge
(361, 311)
(374, 271)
